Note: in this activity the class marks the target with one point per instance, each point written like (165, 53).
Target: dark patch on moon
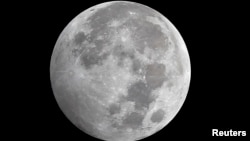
(88, 60)
(146, 34)
(152, 35)
(136, 66)
(91, 55)
(122, 54)
(76, 44)
(158, 116)
(133, 120)
(79, 38)
(155, 75)
(114, 108)
(140, 94)
(76, 51)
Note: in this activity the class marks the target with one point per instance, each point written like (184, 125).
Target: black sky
(216, 38)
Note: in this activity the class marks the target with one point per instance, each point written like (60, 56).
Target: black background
(216, 39)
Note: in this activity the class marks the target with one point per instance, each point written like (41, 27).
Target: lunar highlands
(120, 71)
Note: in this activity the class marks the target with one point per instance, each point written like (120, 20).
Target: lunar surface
(120, 71)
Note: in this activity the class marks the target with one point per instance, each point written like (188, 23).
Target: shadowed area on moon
(83, 111)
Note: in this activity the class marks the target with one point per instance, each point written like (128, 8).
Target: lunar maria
(120, 71)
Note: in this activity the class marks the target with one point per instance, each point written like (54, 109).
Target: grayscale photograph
(127, 70)
(120, 71)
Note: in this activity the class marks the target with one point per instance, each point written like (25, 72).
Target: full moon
(120, 71)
